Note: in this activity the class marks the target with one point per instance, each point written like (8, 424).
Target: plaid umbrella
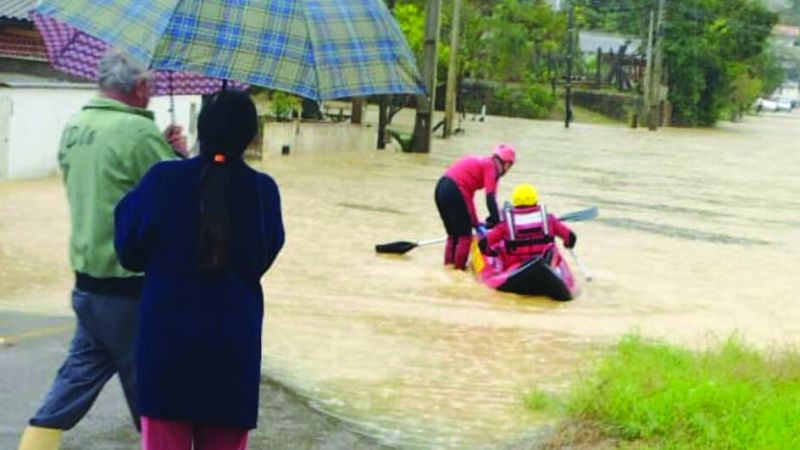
(76, 53)
(319, 49)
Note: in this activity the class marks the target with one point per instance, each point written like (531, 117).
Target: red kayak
(546, 275)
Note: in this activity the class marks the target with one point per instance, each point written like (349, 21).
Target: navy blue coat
(198, 355)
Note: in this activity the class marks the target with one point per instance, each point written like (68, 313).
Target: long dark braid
(226, 126)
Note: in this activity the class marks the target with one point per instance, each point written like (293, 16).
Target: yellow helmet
(525, 195)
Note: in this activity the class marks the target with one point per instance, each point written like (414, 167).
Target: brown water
(697, 237)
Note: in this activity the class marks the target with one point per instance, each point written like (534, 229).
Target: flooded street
(698, 236)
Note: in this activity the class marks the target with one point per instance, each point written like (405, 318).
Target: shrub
(284, 105)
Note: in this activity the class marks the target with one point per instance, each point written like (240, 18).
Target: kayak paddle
(581, 266)
(401, 247)
(577, 216)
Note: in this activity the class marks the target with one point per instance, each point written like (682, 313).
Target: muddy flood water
(698, 237)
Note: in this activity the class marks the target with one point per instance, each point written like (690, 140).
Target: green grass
(649, 394)
(541, 401)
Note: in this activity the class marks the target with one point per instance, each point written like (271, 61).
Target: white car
(784, 104)
(764, 104)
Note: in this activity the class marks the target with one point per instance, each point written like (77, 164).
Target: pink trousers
(456, 251)
(160, 434)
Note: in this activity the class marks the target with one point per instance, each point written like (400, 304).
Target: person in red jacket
(454, 198)
(527, 231)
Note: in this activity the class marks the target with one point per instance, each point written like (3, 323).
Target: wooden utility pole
(425, 104)
(655, 92)
(648, 72)
(452, 71)
(570, 50)
(383, 105)
(383, 121)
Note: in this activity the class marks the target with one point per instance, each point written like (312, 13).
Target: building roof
(24, 47)
(16, 9)
(45, 84)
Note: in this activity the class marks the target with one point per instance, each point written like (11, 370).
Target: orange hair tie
(219, 158)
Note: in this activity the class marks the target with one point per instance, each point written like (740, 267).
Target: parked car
(763, 104)
(784, 104)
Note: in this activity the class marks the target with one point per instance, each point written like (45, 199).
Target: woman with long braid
(204, 231)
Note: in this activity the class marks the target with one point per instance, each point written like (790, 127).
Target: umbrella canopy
(320, 49)
(76, 53)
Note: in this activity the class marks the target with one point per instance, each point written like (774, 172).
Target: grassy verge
(648, 394)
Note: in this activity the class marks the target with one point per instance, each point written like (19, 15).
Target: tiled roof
(22, 47)
(16, 9)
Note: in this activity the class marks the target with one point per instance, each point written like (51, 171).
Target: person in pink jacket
(527, 231)
(455, 193)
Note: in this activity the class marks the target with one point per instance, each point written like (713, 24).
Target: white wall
(183, 113)
(5, 125)
(309, 137)
(37, 117)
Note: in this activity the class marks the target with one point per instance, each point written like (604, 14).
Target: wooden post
(570, 50)
(425, 104)
(383, 121)
(383, 106)
(452, 71)
(620, 67)
(655, 86)
(648, 72)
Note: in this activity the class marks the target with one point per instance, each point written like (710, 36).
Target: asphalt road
(32, 348)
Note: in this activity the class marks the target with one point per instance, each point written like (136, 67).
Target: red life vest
(529, 232)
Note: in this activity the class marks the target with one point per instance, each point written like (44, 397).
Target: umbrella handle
(172, 108)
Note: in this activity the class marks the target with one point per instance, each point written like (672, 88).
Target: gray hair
(119, 72)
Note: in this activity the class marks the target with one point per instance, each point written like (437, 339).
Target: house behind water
(36, 100)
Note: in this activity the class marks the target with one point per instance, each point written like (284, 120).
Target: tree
(789, 10)
(410, 17)
(768, 68)
(722, 36)
(508, 41)
(505, 40)
(705, 45)
(411, 20)
(745, 89)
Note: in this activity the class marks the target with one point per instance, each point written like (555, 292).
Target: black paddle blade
(585, 214)
(397, 248)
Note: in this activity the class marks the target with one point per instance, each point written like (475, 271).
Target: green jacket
(105, 150)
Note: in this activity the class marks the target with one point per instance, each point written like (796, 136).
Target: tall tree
(706, 44)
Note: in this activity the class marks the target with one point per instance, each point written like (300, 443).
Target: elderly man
(105, 150)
